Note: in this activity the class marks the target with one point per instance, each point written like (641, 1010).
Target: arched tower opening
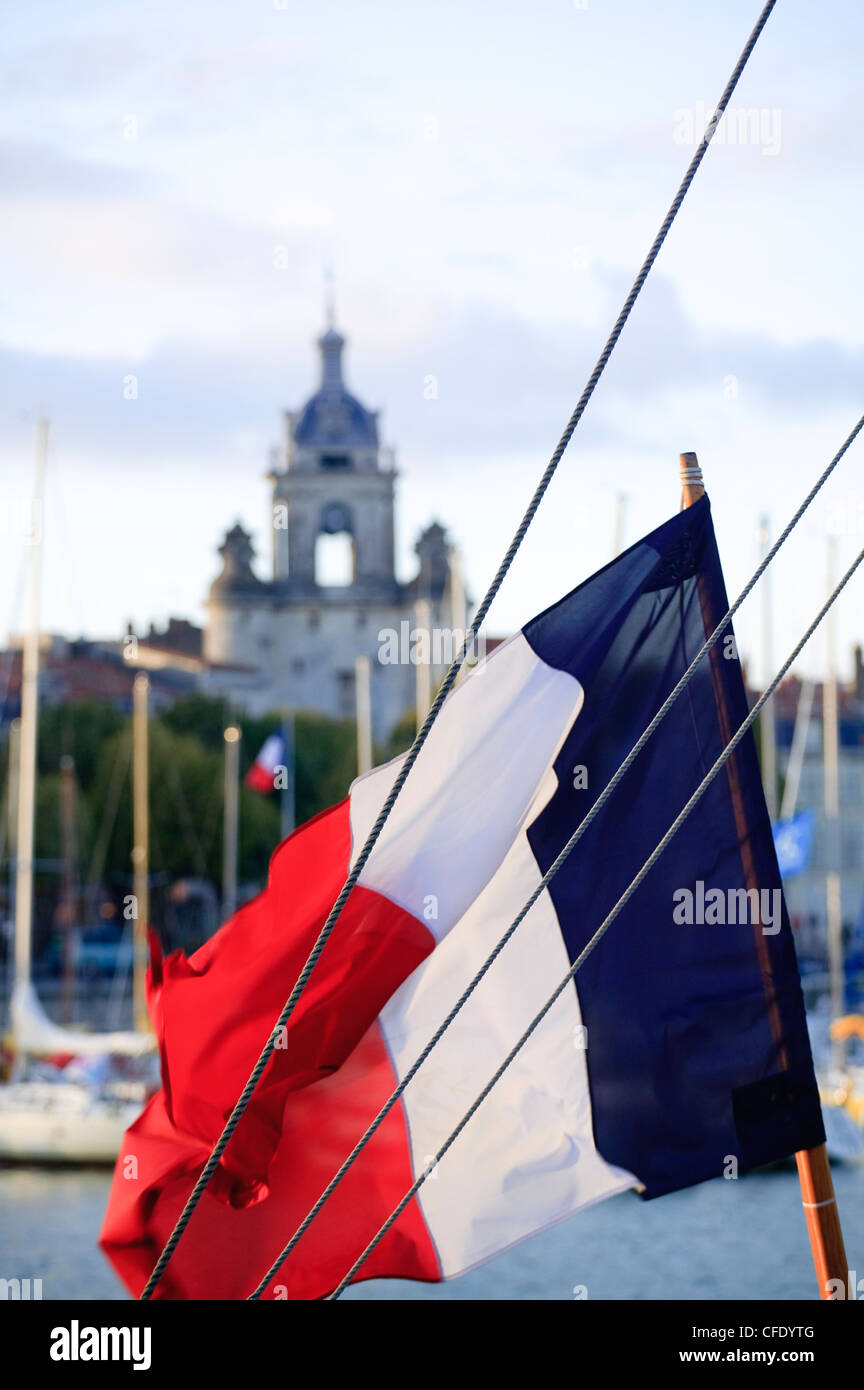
(335, 552)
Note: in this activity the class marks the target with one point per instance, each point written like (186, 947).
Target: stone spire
(331, 344)
(237, 574)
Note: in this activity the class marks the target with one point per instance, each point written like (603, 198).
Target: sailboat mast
(29, 716)
(767, 720)
(140, 849)
(363, 711)
(68, 908)
(620, 523)
(799, 747)
(458, 601)
(831, 759)
(423, 656)
(12, 786)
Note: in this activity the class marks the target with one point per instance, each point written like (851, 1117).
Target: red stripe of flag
(212, 1014)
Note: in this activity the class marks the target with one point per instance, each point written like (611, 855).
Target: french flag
(675, 1048)
(261, 775)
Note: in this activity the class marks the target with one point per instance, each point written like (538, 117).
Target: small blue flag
(793, 841)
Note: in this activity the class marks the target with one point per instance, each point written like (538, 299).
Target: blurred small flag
(261, 774)
(793, 841)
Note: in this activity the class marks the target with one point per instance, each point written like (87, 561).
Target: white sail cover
(35, 1034)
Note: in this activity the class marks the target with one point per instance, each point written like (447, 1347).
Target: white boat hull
(61, 1123)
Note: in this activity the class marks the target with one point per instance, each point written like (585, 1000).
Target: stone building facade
(290, 642)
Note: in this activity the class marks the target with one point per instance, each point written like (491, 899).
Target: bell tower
(329, 479)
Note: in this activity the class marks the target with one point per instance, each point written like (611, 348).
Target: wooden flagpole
(814, 1173)
(823, 1222)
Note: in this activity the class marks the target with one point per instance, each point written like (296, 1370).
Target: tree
(186, 794)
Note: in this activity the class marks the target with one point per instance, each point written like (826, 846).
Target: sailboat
(71, 1094)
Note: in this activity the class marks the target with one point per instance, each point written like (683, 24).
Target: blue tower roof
(333, 418)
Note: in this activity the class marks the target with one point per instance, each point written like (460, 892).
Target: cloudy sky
(484, 179)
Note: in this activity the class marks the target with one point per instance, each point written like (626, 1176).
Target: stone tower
(291, 642)
(332, 482)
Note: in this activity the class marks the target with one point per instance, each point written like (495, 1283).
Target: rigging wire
(580, 830)
(467, 645)
(604, 925)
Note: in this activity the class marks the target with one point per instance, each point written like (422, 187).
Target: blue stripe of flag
(697, 1043)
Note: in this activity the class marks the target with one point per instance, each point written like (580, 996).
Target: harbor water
(740, 1238)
